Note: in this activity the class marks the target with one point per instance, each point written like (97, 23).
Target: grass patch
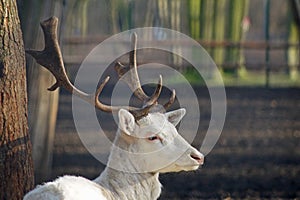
(258, 79)
(241, 78)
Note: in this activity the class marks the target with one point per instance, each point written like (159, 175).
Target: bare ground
(256, 157)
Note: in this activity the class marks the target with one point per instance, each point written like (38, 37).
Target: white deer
(147, 142)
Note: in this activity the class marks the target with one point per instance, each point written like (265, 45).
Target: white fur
(134, 163)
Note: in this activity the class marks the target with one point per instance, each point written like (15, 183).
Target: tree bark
(16, 170)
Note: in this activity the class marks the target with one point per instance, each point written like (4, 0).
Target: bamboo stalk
(236, 12)
(219, 29)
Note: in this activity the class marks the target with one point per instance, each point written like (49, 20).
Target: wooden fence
(84, 45)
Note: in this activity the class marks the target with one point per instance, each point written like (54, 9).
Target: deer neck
(124, 184)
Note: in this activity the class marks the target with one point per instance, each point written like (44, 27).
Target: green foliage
(194, 19)
(245, 78)
(192, 75)
(218, 20)
(293, 52)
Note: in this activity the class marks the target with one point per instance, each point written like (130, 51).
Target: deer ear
(175, 116)
(126, 122)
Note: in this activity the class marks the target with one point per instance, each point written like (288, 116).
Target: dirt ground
(256, 157)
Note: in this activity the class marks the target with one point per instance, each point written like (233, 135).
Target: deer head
(152, 144)
(147, 134)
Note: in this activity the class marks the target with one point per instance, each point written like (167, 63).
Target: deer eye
(152, 138)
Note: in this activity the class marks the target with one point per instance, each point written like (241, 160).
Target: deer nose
(198, 157)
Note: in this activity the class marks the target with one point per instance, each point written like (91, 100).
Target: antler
(133, 81)
(51, 59)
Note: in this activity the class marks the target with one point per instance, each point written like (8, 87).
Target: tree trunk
(16, 170)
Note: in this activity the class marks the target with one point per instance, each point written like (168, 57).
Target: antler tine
(132, 78)
(107, 108)
(153, 99)
(51, 59)
(171, 100)
(138, 114)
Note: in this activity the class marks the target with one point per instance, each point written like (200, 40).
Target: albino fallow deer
(146, 144)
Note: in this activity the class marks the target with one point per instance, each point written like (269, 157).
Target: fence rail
(88, 43)
(204, 43)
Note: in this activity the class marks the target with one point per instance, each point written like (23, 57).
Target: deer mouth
(190, 167)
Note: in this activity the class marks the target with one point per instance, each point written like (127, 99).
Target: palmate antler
(51, 59)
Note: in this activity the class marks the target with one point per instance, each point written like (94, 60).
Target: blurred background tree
(43, 104)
